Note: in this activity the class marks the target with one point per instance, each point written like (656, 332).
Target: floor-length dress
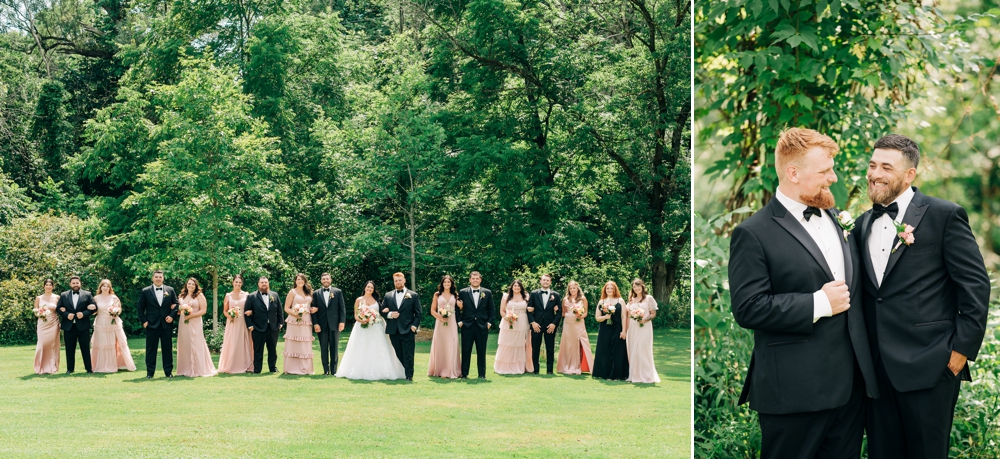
(514, 344)
(193, 357)
(369, 354)
(298, 340)
(445, 360)
(47, 346)
(109, 350)
(640, 346)
(237, 347)
(611, 357)
(574, 346)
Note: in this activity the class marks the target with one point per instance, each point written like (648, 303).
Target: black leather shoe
(482, 377)
(149, 376)
(69, 372)
(170, 375)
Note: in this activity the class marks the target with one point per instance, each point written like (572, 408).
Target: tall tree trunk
(215, 302)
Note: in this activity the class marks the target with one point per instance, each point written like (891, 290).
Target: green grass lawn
(272, 415)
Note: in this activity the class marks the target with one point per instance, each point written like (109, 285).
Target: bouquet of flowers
(42, 312)
(511, 317)
(186, 310)
(115, 310)
(445, 314)
(609, 310)
(300, 309)
(233, 312)
(578, 310)
(367, 317)
(638, 314)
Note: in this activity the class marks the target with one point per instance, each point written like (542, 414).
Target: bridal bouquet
(511, 317)
(114, 311)
(366, 317)
(609, 310)
(233, 312)
(186, 310)
(445, 314)
(42, 312)
(637, 314)
(299, 310)
(578, 311)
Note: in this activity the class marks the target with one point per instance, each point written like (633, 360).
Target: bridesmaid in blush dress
(574, 347)
(109, 350)
(237, 348)
(47, 347)
(299, 332)
(639, 335)
(611, 358)
(514, 343)
(445, 361)
(193, 357)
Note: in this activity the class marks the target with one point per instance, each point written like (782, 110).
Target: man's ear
(911, 175)
(792, 173)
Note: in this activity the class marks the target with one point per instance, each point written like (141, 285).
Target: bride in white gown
(369, 354)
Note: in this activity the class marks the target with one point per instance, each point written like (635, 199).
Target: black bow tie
(878, 210)
(809, 212)
(399, 292)
(545, 292)
(159, 288)
(326, 290)
(76, 293)
(475, 291)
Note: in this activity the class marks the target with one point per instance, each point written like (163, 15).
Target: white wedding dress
(369, 354)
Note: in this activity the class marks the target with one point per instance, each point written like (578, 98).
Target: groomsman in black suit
(544, 316)
(75, 308)
(328, 321)
(401, 310)
(475, 318)
(263, 311)
(926, 302)
(795, 280)
(157, 308)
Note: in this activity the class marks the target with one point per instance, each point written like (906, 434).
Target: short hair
(158, 271)
(263, 278)
(475, 273)
(795, 142)
(399, 274)
(325, 275)
(74, 277)
(909, 148)
(546, 275)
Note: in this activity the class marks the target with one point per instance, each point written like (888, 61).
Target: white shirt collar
(903, 201)
(792, 206)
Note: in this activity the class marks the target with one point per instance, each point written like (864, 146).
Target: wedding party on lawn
(381, 343)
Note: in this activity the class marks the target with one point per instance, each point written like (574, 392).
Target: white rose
(845, 218)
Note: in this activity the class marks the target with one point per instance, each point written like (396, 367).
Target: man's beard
(822, 200)
(888, 194)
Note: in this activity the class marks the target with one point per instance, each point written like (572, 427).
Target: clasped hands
(538, 328)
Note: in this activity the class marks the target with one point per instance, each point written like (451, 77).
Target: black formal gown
(611, 358)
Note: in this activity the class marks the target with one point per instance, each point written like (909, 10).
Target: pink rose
(908, 237)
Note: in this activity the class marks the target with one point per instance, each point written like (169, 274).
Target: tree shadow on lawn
(78, 374)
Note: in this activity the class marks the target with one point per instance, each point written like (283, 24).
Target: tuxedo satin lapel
(848, 259)
(790, 224)
(866, 257)
(914, 213)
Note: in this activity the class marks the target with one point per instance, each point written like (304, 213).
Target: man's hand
(313, 310)
(144, 324)
(536, 327)
(79, 315)
(551, 329)
(460, 325)
(250, 328)
(170, 320)
(248, 313)
(839, 296)
(340, 327)
(413, 329)
(393, 315)
(956, 362)
(459, 304)
(531, 309)
(92, 307)
(316, 328)
(489, 326)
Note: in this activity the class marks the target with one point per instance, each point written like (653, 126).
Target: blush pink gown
(47, 346)
(639, 341)
(514, 344)
(574, 347)
(298, 340)
(109, 350)
(237, 348)
(445, 360)
(193, 357)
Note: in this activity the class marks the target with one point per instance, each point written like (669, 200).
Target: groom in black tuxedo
(543, 317)
(75, 307)
(263, 311)
(795, 281)
(925, 303)
(475, 318)
(401, 311)
(328, 321)
(157, 308)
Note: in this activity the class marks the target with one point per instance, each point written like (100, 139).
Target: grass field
(272, 415)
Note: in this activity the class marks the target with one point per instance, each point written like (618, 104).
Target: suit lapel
(914, 213)
(790, 224)
(866, 226)
(848, 259)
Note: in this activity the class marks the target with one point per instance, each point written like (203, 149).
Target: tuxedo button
(878, 300)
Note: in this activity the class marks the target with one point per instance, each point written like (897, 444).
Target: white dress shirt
(545, 298)
(76, 298)
(159, 294)
(267, 299)
(475, 296)
(326, 296)
(399, 295)
(827, 234)
(883, 234)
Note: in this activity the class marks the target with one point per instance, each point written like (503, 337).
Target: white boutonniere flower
(407, 295)
(846, 222)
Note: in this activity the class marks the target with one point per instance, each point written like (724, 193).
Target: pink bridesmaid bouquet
(511, 317)
(578, 311)
(637, 314)
(186, 310)
(115, 310)
(300, 309)
(367, 316)
(609, 310)
(233, 312)
(445, 313)
(42, 312)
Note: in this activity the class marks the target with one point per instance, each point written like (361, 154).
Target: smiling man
(925, 299)
(794, 280)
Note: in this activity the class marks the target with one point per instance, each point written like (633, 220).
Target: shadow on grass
(469, 380)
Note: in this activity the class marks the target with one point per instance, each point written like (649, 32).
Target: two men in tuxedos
(264, 314)
(328, 321)
(401, 311)
(75, 306)
(543, 317)
(475, 318)
(157, 309)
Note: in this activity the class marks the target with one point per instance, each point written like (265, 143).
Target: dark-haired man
(263, 313)
(328, 321)
(157, 309)
(543, 318)
(75, 308)
(475, 318)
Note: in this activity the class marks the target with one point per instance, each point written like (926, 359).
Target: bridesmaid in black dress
(611, 358)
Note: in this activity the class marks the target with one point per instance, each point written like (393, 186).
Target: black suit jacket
(797, 366)
(264, 317)
(151, 311)
(409, 312)
(471, 315)
(65, 309)
(934, 295)
(329, 317)
(544, 314)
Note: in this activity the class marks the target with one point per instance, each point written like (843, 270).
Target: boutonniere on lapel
(846, 222)
(165, 294)
(905, 233)
(407, 296)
